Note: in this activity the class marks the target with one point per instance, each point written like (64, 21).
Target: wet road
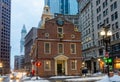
(9, 80)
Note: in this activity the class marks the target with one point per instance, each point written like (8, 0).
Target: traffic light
(38, 64)
(108, 60)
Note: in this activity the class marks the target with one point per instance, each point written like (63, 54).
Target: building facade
(29, 42)
(58, 48)
(62, 6)
(19, 63)
(99, 12)
(86, 27)
(5, 17)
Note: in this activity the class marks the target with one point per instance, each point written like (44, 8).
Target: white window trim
(58, 28)
(49, 48)
(62, 48)
(70, 48)
(75, 65)
(45, 64)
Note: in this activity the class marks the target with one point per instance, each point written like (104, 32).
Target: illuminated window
(47, 65)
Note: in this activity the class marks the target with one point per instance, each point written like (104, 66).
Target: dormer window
(60, 30)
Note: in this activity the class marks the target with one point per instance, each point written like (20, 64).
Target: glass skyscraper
(62, 6)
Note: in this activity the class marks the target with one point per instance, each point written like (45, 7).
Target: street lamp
(106, 33)
(99, 63)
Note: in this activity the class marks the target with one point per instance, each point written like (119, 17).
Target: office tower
(19, 62)
(62, 6)
(5, 17)
(22, 41)
(19, 59)
(93, 14)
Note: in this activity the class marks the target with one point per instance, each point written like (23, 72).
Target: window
(105, 3)
(98, 9)
(47, 65)
(106, 21)
(113, 36)
(105, 12)
(116, 25)
(117, 35)
(73, 65)
(73, 48)
(113, 26)
(60, 30)
(60, 48)
(113, 6)
(97, 2)
(47, 47)
(114, 16)
(98, 18)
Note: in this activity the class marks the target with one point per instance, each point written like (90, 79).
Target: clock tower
(45, 16)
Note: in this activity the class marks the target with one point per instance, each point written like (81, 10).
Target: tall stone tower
(22, 41)
(46, 15)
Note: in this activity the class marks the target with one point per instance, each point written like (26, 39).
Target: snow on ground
(86, 79)
(115, 78)
(37, 81)
(54, 77)
(33, 79)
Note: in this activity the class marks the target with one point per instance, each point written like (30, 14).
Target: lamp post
(106, 33)
(99, 64)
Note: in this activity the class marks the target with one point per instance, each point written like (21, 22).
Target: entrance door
(59, 69)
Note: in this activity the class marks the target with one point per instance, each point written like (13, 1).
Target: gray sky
(26, 12)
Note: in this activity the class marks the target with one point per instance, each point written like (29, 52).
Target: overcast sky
(26, 12)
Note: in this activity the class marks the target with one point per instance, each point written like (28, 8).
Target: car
(13, 76)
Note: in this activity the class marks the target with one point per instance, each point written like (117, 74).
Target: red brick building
(58, 48)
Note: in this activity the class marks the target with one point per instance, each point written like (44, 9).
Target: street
(7, 79)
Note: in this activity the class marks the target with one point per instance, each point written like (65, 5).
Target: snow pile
(34, 78)
(55, 77)
(25, 78)
(97, 74)
(85, 79)
(28, 79)
(115, 78)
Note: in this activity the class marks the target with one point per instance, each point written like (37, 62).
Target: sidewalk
(33, 79)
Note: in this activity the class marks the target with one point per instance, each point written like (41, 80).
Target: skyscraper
(19, 59)
(62, 6)
(5, 13)
(22, 41)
